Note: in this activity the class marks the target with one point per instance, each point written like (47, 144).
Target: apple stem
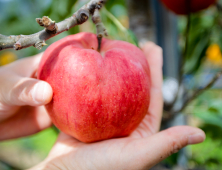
(52, 28)
(99, 43)
(100, 28)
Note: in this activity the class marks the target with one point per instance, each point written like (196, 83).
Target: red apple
(96, 96)
(183, 7)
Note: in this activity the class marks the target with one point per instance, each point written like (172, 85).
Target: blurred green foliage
(206, 111)
(204, 29)
(207, 108)
(18, 17)
(42, 142)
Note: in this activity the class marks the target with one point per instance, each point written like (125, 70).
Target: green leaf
(198, 52)
(110, 4)
(213, 110)
(115, 29)
(212, 115)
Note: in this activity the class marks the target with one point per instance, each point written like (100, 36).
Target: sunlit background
(204, 60)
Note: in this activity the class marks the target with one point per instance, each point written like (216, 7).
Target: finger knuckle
(176, 144)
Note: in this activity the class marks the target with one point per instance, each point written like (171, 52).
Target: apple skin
(96, 96)
(180, 7)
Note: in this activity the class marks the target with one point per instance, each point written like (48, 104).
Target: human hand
(21, 97)
(144, 148)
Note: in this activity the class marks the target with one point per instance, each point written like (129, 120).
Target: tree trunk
(141, 19)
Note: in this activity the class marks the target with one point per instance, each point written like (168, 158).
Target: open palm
(144, 148)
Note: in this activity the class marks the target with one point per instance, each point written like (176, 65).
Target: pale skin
(22, 114)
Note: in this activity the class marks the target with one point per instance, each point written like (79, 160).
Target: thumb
(156, 148)
(25, 91)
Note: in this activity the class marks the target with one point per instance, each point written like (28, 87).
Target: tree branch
(52, 29)
(199, 92)
(50, 26)
(184, 55)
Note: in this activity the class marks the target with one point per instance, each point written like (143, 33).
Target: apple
(96, 95)
(182, 7)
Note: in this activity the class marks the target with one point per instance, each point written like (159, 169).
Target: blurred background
(192, 57)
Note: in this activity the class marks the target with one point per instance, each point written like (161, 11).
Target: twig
(50, 26)
(199, 92)
(187, 33)
(183, 57)
(52, 29)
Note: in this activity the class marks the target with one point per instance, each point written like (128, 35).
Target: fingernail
(196, 138)
(38, 92)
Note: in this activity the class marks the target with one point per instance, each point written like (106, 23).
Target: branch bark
(199, 92)
(52, 29)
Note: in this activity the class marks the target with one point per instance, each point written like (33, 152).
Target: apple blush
(96, 95)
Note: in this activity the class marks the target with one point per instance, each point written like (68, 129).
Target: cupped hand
(21, 99)
(144, 148)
